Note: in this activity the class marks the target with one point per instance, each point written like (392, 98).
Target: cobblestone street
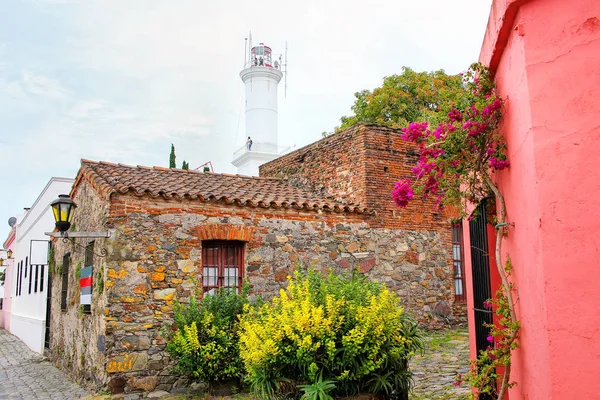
(446, 355)
(26, 375)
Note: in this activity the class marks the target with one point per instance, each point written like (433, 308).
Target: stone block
(146, 383)
(288, 247)
(164, 294)
(135, 342)
(122, 363)
(116, 385)
(140, 362)
(367, 265)
(281, 274)
(353, 247)
(157, 394)
(443, 309)
(412, 257)
(186, 265)
(158, 276)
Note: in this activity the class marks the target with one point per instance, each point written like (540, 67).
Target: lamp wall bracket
(84, 235)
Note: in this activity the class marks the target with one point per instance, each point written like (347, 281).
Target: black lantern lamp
(9, 253)
(63, 209)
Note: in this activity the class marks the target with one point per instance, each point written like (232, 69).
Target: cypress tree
(185, 165)
(172, 157)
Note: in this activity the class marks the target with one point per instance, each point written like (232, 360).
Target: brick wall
(334, 166)
(360, 164)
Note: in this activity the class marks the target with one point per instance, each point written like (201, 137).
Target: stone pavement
(25, 374)
(446, 355)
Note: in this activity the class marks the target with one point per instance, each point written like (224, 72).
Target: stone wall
(156, 254)
(77, 339)
(154, 257)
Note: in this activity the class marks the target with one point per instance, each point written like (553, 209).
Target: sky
(120, 80)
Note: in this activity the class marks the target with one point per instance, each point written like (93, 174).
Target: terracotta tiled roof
(176, 183)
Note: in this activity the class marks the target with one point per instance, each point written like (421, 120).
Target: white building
(29, 283)
(261, 76)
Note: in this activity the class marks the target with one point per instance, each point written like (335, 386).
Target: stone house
(327, 205)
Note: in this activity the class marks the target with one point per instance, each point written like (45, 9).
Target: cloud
(42, 86)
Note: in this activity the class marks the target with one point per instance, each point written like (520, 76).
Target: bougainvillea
(456, 156)
(458, 160)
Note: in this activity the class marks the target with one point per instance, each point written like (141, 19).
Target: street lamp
(9, 253)
(63, 209)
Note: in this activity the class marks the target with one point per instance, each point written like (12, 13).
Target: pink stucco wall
(8, 282)
(546, 58)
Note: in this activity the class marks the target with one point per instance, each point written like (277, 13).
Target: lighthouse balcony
(258, 147)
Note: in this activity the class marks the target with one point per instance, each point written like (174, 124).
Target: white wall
(28, 310)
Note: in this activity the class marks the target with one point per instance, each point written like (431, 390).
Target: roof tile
(195, 185)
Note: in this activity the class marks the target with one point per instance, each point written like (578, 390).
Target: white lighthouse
(260, 75)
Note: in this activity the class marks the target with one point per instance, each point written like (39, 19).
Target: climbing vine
(456, 167)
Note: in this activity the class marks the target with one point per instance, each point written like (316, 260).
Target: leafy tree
(408, 97)
(185, 165)
(172, 157)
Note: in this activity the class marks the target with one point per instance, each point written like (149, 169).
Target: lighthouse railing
(263, 148)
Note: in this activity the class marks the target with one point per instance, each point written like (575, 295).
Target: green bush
(334, 335)
(205, 342)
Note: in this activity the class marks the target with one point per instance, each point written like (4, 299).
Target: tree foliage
(408, 97)
(172, 163)
(185, 165)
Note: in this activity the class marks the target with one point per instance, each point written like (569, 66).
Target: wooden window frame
(458, 271)
(222, 255)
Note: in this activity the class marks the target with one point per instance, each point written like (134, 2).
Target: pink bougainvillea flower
(415, 132)
(498, 164)
(459, 380)
(490, 338)
(455, 115)
(487, 305)
(402, 193)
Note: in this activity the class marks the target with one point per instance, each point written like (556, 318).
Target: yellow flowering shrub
(339, 329)
(205, 341)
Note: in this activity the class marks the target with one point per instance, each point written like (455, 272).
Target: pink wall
(8, 278)
(546, 56)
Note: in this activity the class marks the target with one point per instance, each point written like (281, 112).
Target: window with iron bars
(457, 260)
(222, 265)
